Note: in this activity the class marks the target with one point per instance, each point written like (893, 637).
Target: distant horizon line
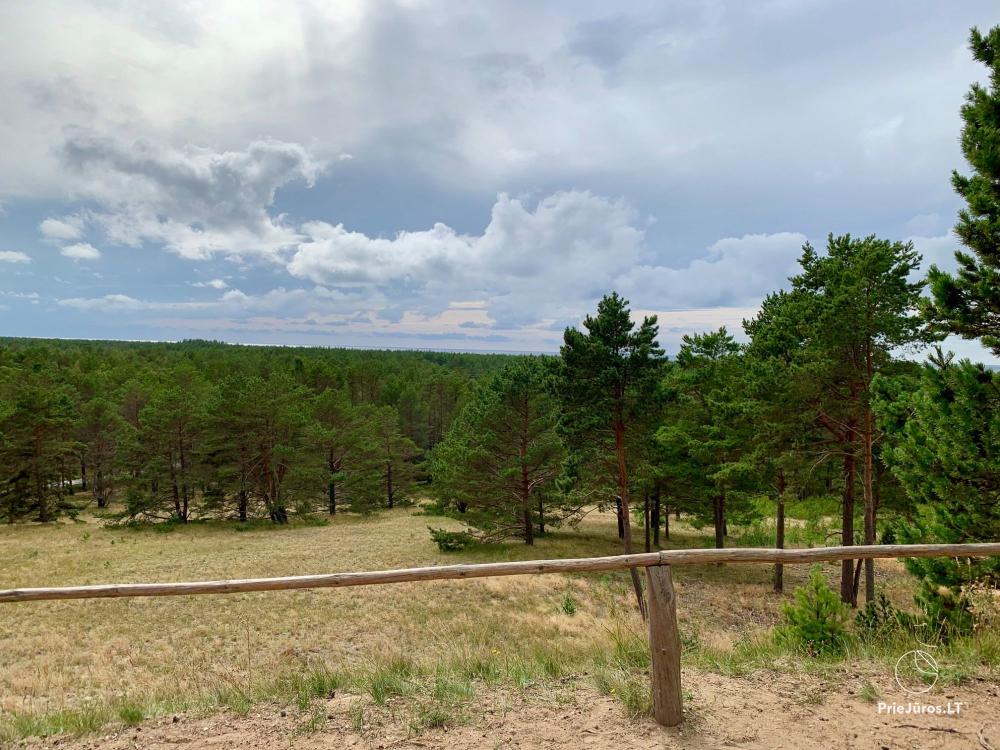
(441, 350)
(431, 350)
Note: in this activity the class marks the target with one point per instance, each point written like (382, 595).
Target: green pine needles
(817, 619)
(968, 303)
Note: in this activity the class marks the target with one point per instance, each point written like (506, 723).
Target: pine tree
(396, 454)
(497, 466)
(848, 313)
(969, 303)
(347, 440)
(36, 428)
(230, 452)
(170, 446)
(945, 451)
(276, 433)
(609, 375)
(703, 430)
(101, 432)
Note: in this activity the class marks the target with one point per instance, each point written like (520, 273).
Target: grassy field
(77, 665)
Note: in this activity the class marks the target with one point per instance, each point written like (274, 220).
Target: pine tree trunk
(528, 522)
(242, 504)
(847, 529)
(869, 496)
(99, 491)
(41, 492)
(645, 519)
(626, 522)
(720, 541)
(184, 487)
(541, 516)
(525, 489)
(656, 515)
(331, 489)
(621, 523)
(666, 523)
(175, 489)
(779, 534)
(83, 475)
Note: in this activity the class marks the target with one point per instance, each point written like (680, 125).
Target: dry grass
(58, 655)
(80, 662)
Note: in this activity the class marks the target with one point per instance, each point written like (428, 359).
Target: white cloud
(734, 271)
(702, 112)
(545, 263)
(194, 201)
(32, 297)
(233, 301)
(81, 251)
(66, 228)
(937, 251)
(535, 266)
(14, 256)
(213, 284)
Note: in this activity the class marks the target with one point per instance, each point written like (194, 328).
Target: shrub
(569, 604)
(879, 618)
(451, 541)
(817, 619)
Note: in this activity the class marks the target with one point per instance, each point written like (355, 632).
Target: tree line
(203, 429)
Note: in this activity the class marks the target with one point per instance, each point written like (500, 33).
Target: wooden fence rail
(663, 632)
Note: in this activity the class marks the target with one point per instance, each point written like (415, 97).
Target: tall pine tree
(609, 376)
(500, 459)
(969, 303)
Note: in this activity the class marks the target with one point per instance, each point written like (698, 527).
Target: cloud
(33, 297)
(706, 114)
(194, 201)
(233, 301)
(14, 256)
(119, 302)
(81, 251)
(528, 264)
(879, 138)
(213, 284)
(65, 228)
(535, 266)
(660, 91)
(938, 251)
(735, 271)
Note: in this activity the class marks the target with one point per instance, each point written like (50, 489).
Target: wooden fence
(664, 637)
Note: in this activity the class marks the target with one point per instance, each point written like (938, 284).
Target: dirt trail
(761, 711)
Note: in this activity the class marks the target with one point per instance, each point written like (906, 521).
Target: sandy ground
(761, 711)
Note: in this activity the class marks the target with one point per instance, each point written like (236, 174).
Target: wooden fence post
(665, 647)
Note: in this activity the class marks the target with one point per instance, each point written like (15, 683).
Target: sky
(469, 176)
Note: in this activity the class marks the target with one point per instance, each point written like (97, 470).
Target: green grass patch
(393, 679)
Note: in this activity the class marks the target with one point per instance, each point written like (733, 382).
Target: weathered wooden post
(665, 647)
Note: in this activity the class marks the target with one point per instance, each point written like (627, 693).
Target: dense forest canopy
(198, 428)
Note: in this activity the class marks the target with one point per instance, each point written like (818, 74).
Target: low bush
(451, 541)
(880, 618)
(817, 619)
